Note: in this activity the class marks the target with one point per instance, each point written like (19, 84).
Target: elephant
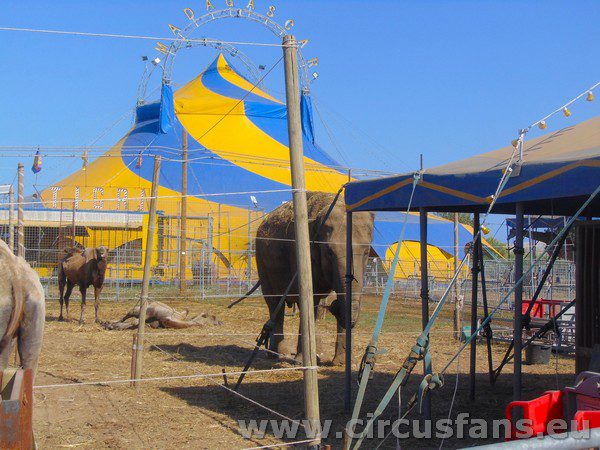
(276, 262)
(22, 310)
(85, 268)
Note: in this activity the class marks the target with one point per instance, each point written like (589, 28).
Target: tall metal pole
(20, 201)
(307, 320)
(474, 293)
(518, 312)
(348, 315)
(183, 218)
(11, 218)
(138, 346)
(424, 301)
(457, 300)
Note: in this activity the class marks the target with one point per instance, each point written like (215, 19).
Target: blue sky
(448, 79)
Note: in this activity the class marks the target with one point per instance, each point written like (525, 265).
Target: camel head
(101, 252)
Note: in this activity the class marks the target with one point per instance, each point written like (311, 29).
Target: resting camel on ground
(159, 315)
(22, 310)
(84, 268)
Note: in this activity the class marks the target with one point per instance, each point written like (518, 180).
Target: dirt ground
(199, 413)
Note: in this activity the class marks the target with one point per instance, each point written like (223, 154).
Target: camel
(159, 315)
(84, 268)
(22, 310)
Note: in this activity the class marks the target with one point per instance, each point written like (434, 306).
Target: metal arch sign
(182, 36)
(204, 42)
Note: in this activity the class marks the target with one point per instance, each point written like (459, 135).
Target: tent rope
(367, 364)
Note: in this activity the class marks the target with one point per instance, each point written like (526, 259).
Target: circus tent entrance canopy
(558, 173)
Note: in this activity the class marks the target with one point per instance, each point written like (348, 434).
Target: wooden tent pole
(20, 213)
(138, 349)
(307, 319)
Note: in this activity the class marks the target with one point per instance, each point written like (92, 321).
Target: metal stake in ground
(138, 347)
(307, 320)
(20, 201)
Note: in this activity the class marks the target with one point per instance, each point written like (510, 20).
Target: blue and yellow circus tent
(238, 167)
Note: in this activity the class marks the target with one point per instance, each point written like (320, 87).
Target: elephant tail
(18, 298)
(248, 294)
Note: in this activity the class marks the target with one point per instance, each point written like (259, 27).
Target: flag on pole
(37, 162)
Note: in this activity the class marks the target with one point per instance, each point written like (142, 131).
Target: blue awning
(557, 174)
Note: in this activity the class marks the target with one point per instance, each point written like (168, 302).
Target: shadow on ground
(286, 398)
(219, 355)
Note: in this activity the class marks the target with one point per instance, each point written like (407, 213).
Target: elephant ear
(90, 254)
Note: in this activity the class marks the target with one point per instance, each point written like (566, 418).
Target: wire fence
(218, 255)
(217, 259)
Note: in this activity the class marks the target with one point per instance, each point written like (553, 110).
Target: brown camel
(84, 268)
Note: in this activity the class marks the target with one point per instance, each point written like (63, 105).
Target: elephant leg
(276, 341)
(318, 340)
(82, 316)
(340, 346)
(61, 290)
(70, 287)
(97, 291)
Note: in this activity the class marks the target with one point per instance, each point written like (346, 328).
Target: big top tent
(238, 165)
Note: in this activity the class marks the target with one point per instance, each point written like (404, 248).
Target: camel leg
(31, 331)
(70, 287)
(62, 279)
(170, 322)
(82, 316)
(97, 291)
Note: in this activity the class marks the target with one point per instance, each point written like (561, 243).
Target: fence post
(73, 226)
(138, 347)
(20, 201)
(249, 269)
(11, 218)
(183, 218)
